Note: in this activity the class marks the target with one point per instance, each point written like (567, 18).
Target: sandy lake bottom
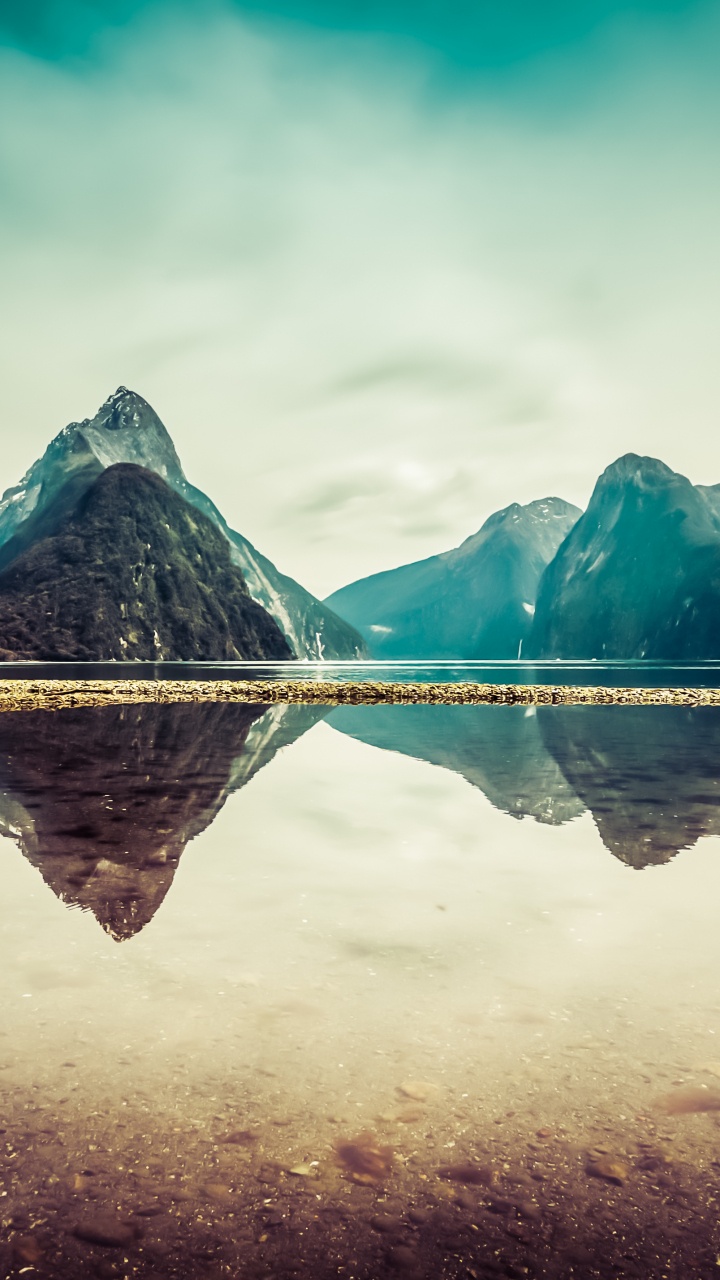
(360, 992)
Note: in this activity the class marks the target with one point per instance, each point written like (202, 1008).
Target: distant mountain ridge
(127, 429)
(639, 574)
(476, 601)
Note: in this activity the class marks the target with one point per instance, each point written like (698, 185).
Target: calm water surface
(547, 671)
(363, 992)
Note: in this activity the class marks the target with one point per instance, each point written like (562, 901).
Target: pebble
(464, 1201)
(218, 1192)
(472, 1175)
(111, 1232)
(418, 1090)
(496, 1204)
(177, 1194)
(610, 1169)
(385, 1222)
(404, 1258)
(529, 1209)
(27, 1249)
(687, 1101)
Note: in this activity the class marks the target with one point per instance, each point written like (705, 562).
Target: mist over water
(359, 991)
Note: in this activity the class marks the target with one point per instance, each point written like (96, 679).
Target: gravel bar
(53, 695)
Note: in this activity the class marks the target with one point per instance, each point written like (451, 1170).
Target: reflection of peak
(103, 800)
(649, 775)
(497, 749)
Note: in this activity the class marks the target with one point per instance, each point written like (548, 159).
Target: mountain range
(108, 552)
(637, 575)
(126, 430)
(476, 601)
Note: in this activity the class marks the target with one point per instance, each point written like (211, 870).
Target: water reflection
(650, 776)
(378, 1027)
(104, 802)
(502, 754)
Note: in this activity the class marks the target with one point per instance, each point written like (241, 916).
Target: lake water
(547, 671)
(419, 991)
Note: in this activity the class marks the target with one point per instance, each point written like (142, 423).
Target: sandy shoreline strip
(53, 695)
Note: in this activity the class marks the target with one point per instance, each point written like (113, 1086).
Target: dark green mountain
(476, 601)
(128, 571)
(639, 575)
(127, 429)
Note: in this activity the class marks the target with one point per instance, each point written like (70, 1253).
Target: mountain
(127, 429)
(475, 601)
(103, 800)
(131, 571)
(648, 775)
(499, 750)
(639, 574)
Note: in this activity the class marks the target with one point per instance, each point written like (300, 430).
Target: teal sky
(381, 268)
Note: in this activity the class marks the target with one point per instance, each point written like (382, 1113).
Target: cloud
(330, 278)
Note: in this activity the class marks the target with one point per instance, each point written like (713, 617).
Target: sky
(382, 268)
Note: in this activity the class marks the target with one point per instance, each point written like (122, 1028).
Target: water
(455, 966)
(546, 671)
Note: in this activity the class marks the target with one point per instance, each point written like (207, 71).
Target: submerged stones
(106, 1230)
(470, 1175)
(686, 1101)
(417, 1090)
(365, 1159)
(609, 1168)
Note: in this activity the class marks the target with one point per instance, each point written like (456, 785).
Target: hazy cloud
(369, 312)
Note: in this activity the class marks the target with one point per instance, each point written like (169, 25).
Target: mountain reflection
(650, 776)
(497, 749)
(104, 800)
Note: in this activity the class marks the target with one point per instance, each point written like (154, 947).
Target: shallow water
(613, 673)
(456, 967)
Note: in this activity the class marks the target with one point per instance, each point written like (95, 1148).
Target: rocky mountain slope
(639, 575)
(127, 429)
(128, 571)
(475, 601)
